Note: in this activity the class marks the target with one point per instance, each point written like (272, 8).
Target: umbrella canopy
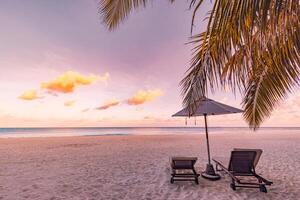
(204, 107)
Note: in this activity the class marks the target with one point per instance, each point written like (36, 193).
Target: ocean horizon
(102, 131)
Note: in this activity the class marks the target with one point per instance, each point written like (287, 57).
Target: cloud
(143, 96)
(52, 93)
(85, 110)
(104, 78)
(67, 82)
(149, 117)
(109, 104)
(69, 103)
(30, 95)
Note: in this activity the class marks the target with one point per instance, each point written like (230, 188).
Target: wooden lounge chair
(242, 163)
(183, 169)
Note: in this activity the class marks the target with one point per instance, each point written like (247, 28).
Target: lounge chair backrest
(183, 162)
(242, 161)
(257, 157)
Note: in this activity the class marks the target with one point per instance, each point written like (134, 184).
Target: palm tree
(249, 46)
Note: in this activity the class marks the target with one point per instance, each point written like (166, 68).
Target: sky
(60, 66)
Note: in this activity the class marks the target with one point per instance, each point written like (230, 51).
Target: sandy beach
(137, 167)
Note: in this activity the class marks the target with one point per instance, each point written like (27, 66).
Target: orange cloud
(69, 103)
(144, 96)
(67, 82)
(108, 104)
(29, 95)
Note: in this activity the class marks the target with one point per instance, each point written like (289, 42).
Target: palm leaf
(115, 11)
(251, 46)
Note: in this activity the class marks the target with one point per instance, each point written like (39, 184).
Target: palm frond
(268, 84)
(115, 11)
(252, 47)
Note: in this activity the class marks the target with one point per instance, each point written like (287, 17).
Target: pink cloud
(109, 104)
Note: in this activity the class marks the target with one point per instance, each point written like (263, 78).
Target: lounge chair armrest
(226, 170)
(263, 179)
(218, 163)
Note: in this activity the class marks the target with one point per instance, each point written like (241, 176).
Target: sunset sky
(61, 67)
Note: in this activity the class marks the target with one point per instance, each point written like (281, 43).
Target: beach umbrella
(205, 107)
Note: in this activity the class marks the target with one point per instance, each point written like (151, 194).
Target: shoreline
(89, 132)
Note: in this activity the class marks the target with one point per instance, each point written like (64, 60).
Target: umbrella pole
(209, 172)
(207, 140)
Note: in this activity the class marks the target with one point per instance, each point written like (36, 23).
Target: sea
(102, 131)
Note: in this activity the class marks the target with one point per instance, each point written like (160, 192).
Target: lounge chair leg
(232, 185)
(194, 171)
(263, 188)
(172, 180)
(172, 176)
(196, 176)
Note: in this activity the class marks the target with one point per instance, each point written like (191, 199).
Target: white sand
(136, 167)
